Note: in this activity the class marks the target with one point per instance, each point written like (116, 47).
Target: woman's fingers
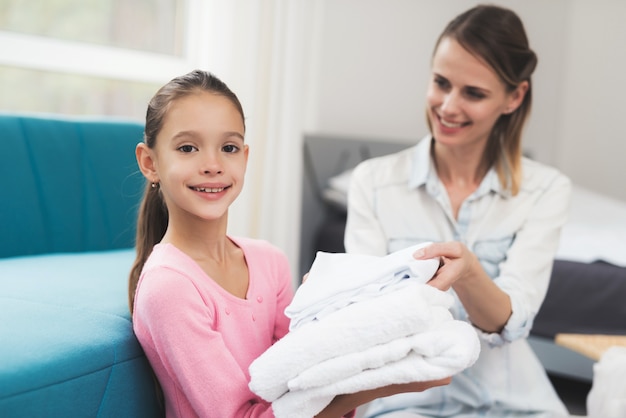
(446, 275)
(451, 249)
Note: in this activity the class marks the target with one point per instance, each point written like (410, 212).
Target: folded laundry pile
(358, 323)
(338, 280)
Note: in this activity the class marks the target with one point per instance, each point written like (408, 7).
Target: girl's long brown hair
(152, 219)
(496, 35)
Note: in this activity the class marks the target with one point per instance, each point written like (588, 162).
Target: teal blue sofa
(69, 192)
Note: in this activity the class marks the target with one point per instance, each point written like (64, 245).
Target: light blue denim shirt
(398, 200)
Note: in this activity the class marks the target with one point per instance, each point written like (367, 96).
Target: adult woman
(495, 217)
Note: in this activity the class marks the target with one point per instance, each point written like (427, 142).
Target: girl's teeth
(209, 190)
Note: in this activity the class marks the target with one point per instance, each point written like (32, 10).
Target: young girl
(205, 304)
(495, 217)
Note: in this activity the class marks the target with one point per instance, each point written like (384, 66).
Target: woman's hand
(456, 263)
(343, 404)
(487, 306)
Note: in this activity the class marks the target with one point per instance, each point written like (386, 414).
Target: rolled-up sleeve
(525, 273)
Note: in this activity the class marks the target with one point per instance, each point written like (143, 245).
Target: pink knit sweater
(200, 339)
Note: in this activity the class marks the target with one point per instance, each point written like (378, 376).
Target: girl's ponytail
(151, 226)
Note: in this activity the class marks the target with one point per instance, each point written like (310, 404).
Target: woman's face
(465, 97)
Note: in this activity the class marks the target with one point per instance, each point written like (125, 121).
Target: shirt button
(253, 318)
(259, 299)
(227, 311)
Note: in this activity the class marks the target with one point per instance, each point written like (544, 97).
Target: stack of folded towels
(361, 322)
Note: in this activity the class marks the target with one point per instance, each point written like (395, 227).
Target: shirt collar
(422, 165)
(423, 172)
(491, 183)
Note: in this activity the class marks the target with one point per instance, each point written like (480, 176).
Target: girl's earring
(155, 185)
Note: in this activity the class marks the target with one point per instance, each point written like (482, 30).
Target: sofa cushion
(65, 329)
(69, 184)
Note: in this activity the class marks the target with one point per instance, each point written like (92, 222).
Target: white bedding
(595, 230)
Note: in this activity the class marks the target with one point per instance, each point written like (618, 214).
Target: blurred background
(353, 68)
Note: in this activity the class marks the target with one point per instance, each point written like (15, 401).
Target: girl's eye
(230, 148)
(187, 148)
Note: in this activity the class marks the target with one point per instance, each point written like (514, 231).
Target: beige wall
(371, 67)
(592, 124)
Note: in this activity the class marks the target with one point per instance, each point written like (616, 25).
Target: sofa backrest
(67, 184)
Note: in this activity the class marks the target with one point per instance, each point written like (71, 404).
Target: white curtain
(262, 49)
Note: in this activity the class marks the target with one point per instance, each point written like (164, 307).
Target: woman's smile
(451, 124)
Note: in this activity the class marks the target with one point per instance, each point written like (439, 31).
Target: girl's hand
(456, 262)
(343, 404)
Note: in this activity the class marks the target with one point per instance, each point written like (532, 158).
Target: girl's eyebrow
(194, 134)
(183, 134)
(233, 133)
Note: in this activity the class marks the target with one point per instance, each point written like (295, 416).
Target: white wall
(371, 68)
(592, 125)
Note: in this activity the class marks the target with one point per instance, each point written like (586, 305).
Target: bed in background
(588, 284)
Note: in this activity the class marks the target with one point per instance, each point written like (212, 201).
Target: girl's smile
(210, 191)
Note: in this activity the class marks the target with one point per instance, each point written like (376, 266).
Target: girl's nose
(212, 164)
(209, 171)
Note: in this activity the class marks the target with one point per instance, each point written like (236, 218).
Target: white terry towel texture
(366, 339)
(607, 397)
(337, 280)
(434, 353)
(360, 325)
(453, 355)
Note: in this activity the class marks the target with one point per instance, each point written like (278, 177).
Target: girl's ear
(146, 163)
(516, 98)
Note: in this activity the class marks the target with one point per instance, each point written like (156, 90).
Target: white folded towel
(358, 323)
(607, 397)
(442, 350)
(393, 315)
(430, 356)
(337, 280)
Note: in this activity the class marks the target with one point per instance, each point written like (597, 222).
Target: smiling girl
(494, 216)
(205, 304)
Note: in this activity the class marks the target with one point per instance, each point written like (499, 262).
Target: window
(103, 57)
